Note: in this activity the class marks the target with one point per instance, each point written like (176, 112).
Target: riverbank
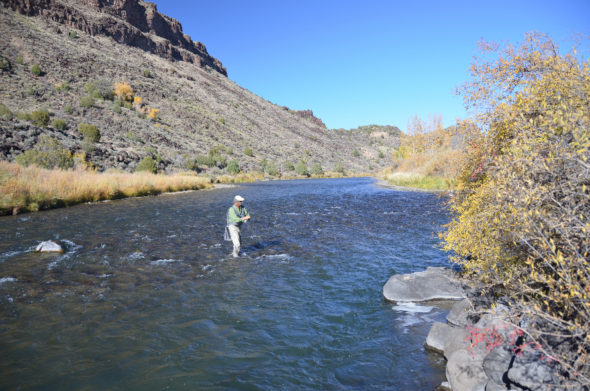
(419, 181)
(31, 189)
(481, 349)
(388, 185)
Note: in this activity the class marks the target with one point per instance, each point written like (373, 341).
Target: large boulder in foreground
(435, 283)
(49, 246)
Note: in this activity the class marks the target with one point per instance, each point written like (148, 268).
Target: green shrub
(356, 153)
(87, 102)
(63, 87)
(36, 70)
(40, 117)
(47, 153)
(132, 136)
(301, 168)
(233, 167)
(248, 152)
(191, 164)
(117, 108)
(69, 109)
(101, 89)
(211, 160)
(59, 124)
(289, 166)
(90, 132)
(5, 112)
(147, 73)
(153, 152)
(73, 35)
(316, 169)
(19, 59)
(381, 155)
(24, 116)
(147, 164)
(339, 168)
(88, 146)
(271, 169)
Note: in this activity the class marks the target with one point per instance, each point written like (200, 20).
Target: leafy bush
(47, 153)
(147, 73)
(40, 117)
(153, 114)
(24, 116)
(301, 168)
(522, 212)
(69, 109)
(5, 112)
(153, 152)
(88, 146)
(381, 155)
(132, 136)
(289, 166)
(233, 167)
(339, 168)
(59, 124)
(211, 160)
(36, 70)
(316, 169)
(271, 169)
(90, 132)
(124, 92)
(87, 102)
(63, 87)
(101, 89)
(356, 153)
(147, 164)
(19, 59)
(248, 152)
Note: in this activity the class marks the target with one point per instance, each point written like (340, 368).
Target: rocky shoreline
(483, 352)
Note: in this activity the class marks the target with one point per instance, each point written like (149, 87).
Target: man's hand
(245, 218)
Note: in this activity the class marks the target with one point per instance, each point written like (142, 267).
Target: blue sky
(366, 62)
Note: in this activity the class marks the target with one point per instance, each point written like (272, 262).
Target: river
(146, 296)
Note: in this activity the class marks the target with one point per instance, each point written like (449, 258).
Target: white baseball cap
(238, 198)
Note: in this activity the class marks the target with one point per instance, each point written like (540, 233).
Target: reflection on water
(146, 296)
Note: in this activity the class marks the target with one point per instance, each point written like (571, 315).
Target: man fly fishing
(236, 215)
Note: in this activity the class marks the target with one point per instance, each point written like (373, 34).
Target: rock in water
(435, 283)
(49, 246)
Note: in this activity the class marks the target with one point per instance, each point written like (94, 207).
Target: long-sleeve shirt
(234, 215)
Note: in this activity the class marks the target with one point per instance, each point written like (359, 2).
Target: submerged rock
(49, 246)
(435, 283)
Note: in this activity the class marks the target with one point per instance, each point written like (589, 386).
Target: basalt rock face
(182, 112)
(131, 22)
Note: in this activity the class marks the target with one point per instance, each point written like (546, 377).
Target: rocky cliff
(65, 57)
(131, 22)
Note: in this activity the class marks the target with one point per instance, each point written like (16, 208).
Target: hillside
(184, 108)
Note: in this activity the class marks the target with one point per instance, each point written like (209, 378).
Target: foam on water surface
(411, 307)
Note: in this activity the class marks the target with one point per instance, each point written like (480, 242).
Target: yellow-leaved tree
(522, 213)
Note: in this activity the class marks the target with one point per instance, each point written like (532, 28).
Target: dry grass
(434, 170)
(31, 188)
(420, 181)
